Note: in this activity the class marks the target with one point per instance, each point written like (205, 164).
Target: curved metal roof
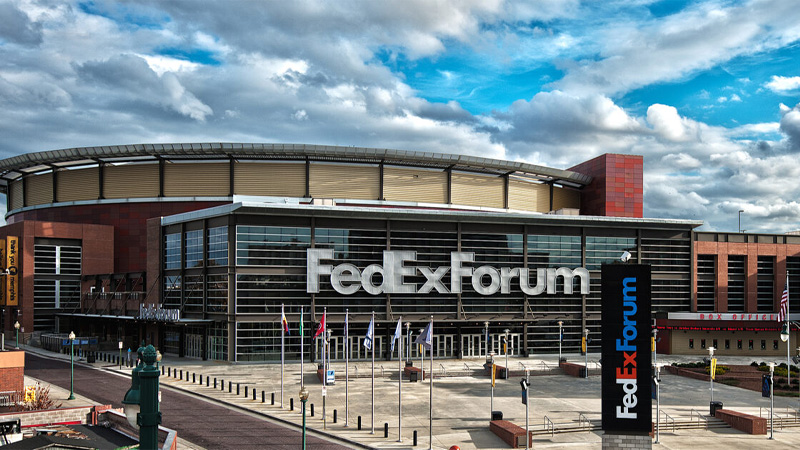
(42, 161)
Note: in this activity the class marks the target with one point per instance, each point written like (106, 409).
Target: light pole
(141, 400)
(303, 400)
(486, 336)
(327, 359)
(16, 328)
(506, 349)
(71, 366)
(655, 341)
(408, 341)
(586, 352)
(120, 354)
(560, 339)
(657, 380)
(771, 399)
(713, 370)
(740, 220)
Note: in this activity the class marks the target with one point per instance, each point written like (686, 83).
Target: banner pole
(372, 344)
(430, 440)
(346, 363)
(283, 332)
(400, 387)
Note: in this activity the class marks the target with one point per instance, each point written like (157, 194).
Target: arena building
(195, 247)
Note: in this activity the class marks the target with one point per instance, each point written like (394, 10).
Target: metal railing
(694, 412)
(582, 418)
(668, 419)
(444, 370)
(549, 425)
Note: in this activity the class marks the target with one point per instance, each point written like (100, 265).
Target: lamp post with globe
(71, 366)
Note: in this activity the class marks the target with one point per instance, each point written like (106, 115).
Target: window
(702, 343)
(766, 280)
(194, 248)
(715, 344)
(172, 251)
(691, 343)
(750, 344)
(775, 344)
(218, 246)
(739, 344)
(727, 344)
(737, 265)
(706, 282)
(763, 344)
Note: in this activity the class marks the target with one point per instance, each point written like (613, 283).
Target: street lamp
(141, 400)
(486, 336)
(560, 339)
(506, 350)
(713, 370)
(303, 400)
(657, 381)
(586, 352)
(71, 366)
(740, 221)
(655, 351)
(408, 341)
(120, 354)
(327, 359)
(771, 398)
(16, 327)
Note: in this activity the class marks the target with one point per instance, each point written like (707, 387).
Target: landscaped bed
(746, 377)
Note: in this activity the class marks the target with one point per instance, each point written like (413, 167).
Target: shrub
(42, 401)
(721, 370)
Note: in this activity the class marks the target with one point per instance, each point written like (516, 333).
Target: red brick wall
(752, 251)
(129, 222)
(617, 188)
(12, 379)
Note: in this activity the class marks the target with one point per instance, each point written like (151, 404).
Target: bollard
(312, 410)
(359, 422)
(181, 374)
(201, 378)
(334, 416)
(254, 394)
(169, 371)
(215, 382)
(230, 386)
(415, 438)
(237, 388)
(162, 371)
(385, 429)
(193, 378)
(291, 403)
(245, 391)
(263, 397)
(207, 382)
(273, 398)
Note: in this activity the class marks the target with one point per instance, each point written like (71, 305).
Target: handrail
(356, 367)
(466, 367)
(549, 424)
(693, 412)
(544, 366)
(444, 371)
(523, 365)
(582, 417)
(669, 418)
(381, 370)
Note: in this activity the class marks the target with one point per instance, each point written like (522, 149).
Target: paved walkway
(462, 400)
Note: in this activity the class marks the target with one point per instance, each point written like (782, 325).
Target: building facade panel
(197, 179)
(415, 185)
(477, 190)
(270, 179)
(78, 184)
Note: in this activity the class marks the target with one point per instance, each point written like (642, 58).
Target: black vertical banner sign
(626, 366)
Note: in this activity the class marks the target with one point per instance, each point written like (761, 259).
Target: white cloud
(782, 85)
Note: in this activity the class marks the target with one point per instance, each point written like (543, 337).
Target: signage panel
(626, 404)
(3, 268)
(347, 279)
(12, 264)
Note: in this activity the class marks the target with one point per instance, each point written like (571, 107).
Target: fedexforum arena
(195, 247)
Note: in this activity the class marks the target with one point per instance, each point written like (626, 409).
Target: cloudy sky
(707, 91)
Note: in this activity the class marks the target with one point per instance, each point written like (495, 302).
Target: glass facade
(270, 270)
(706, 282)
(766, 284)
(56, 281)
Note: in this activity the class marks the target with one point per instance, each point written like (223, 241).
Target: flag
(321, 328)
(494, 371)
(346, 324)
(396, 335)
(426, 338)
(301, 322)
(284, 322)
(783, 312)
(561, 336)
(713, 371)
(370, 334)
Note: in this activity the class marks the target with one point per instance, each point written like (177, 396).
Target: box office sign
(11, 267)
(348, 279)
(626, 402)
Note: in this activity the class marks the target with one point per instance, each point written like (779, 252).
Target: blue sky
(707, 91)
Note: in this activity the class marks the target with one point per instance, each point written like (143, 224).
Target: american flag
(783, 312)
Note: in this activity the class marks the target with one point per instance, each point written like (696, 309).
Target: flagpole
(283, 332)
(301, 348)
(372, 344)
(789, 339)
(400, 386)
(324, 368)
(430, 439)
(346, 363)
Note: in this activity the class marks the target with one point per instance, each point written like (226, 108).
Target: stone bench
(743, 422)
(575, 370)
(511, 434)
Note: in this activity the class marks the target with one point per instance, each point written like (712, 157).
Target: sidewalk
(461, 407)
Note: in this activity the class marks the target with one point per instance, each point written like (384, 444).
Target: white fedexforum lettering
(626, 375)
(158, 313)
(347, 279)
